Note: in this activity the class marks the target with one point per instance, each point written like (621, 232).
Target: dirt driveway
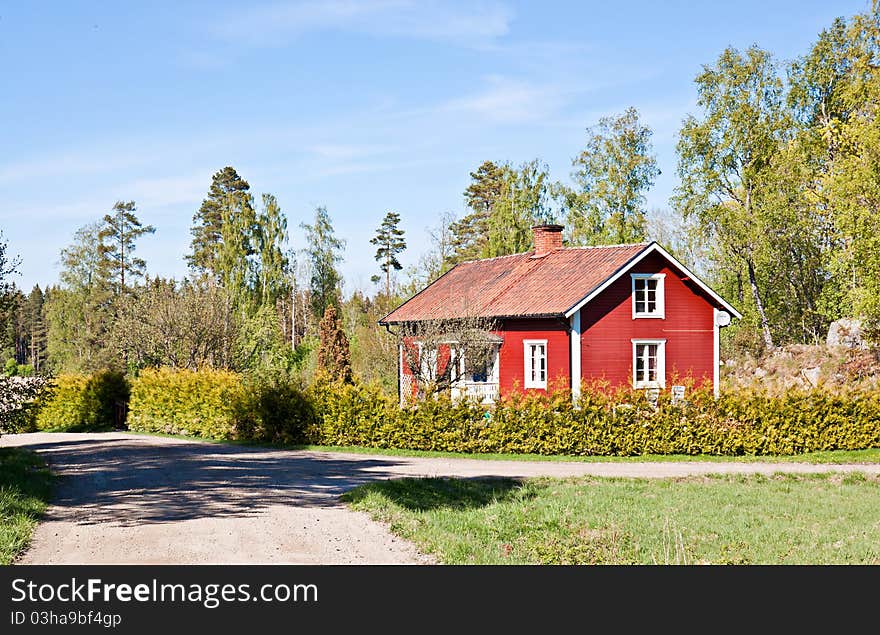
(138, 499)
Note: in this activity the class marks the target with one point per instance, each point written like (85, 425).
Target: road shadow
(424, 494)
(130, 482)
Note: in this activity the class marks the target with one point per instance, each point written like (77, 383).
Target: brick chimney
(547, 238)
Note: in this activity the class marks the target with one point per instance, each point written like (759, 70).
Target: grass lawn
(783, 519)
(25, 487)
(830, 456)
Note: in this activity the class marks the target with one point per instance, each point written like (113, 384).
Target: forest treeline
(777, 206)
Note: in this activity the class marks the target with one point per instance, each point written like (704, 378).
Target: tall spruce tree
(390, 242)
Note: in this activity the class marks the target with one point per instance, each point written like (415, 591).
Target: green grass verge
(830, 456)
(783, 519)
(25, 487)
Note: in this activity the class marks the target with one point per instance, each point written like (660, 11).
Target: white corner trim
(660, 313)
(576, 355)
(661, 363)
(653, 247)
(528, 383)
(716, 354)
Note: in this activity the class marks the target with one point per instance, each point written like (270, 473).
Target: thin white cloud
(274, 24)
(508, 101)
(156, 193)
(63, 165)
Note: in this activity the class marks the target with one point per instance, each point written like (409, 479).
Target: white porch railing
(480, 391)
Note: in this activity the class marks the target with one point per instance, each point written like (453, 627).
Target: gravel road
(134, 499)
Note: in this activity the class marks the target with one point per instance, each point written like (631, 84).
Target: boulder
(846, 332)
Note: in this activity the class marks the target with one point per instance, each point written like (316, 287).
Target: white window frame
(660, 312)
(661, 364)
(458, 362)
(527, 359)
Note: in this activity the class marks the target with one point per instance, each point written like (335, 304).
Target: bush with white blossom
(17, 395)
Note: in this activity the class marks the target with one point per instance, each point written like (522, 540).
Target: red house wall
(511, 356)
(607, 326)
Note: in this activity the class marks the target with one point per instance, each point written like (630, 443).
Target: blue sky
(363, 107)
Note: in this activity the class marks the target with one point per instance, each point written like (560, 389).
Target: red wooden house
(627, 314)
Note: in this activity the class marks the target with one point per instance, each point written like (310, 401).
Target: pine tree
(390, 242)
(334, 355)
(117, 239)
(489, 183)
(228, 190)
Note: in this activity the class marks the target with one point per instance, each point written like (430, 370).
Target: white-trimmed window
(535, 358)
(648, 295)
(649, 363)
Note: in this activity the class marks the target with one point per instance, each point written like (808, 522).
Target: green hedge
(220, 405)
(203, 404)
(622, 423)
(80, 403)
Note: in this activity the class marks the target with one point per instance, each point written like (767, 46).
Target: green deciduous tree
(389, 242)
(8, 265)
(725, 166)
(78, 311)
(524, 201)
(182, 325)
(612, 175)
(323, 251)
(273, 264)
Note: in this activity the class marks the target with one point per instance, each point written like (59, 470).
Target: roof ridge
(579, 247)
(467, 262)
(641, 244)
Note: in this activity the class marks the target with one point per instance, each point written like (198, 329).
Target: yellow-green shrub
(203, 403)
(618, 423)
(220, 405)
(81, 403)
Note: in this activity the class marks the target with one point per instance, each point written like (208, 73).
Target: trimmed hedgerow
(81, 403)
(203, 403)
(621, 423)
(220, 405)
